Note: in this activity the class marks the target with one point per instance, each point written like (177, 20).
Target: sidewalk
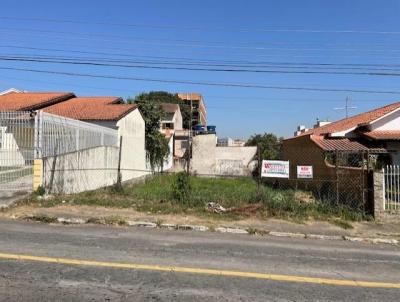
(68, 213)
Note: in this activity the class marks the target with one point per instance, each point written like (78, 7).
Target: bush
(40, 190)
(181, 187)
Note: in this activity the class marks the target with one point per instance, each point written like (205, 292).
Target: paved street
(132, 264)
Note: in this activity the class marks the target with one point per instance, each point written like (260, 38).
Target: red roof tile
(169, 107)
(343, 144)
(31, 100)
(383, 134)
(353, 121)
(92, 108)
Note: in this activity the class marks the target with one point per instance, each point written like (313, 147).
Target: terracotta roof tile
(169, 107)
(92, 108)
(31, 100)
(383, 134)
(353, 121)
(343, 144)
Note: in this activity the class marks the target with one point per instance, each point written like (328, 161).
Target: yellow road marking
(203, 271)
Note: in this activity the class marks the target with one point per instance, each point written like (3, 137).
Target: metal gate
(17, 137)
(391, 188)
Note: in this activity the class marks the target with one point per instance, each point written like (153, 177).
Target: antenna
(347, 107)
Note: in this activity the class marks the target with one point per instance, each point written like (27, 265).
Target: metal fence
(339, 177)
(59, 135)
(26, 136)
(391, 187)
(16, 152)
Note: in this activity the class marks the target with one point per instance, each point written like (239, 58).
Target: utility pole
(347, 107)
(190, 135)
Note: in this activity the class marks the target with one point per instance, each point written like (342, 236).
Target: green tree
(156, 144)
(166, 97)
(269, 144)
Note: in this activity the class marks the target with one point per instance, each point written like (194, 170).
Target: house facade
(112, 112)
(199, 111)
(172, 119)
(376, 132)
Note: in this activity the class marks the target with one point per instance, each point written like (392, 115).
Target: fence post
(38, 134)
(119, 176)
(363, 180)
(337, 175)
(259, 167)
(53, 166)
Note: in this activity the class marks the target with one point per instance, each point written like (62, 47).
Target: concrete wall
(209, 159)
(10, 154)
(379, 210)
(133, 153)
(82, 170)
(389, 122)
(168, 164)
(302, 151)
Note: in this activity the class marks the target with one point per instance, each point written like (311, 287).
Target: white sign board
(275, 168)
(304, 172)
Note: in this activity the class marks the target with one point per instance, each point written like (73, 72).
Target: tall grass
(158, 195)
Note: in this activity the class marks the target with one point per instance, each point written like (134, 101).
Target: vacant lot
(241, 197)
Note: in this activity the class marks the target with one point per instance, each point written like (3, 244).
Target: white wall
(82, 170)
(133, 153)
(209, 159)
(168, 164)
(390, 122)
(10, 155)
(178, 120)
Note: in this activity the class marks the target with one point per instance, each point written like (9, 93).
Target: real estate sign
(304, 172)
(275, 168)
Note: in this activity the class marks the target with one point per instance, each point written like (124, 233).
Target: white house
(11, 90)
(373, 131)
(113, 113)
(171, 122)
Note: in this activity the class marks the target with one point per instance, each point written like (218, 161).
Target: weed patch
(183, 194)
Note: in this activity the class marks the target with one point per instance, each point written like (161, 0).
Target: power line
(203, 83)
(140, 40)
(174, 27)
(102, 64)
(276, 65)
(188, 43)
(202, 61)
(130, 50)
(214, 97)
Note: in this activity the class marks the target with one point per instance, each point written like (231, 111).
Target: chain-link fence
(337, 177)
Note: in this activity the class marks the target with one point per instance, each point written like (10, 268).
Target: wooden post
(337, 175)
(119, 176)
(190, 139)
(259, 167)
(53, 166)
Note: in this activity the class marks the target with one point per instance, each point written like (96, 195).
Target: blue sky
(222, 32)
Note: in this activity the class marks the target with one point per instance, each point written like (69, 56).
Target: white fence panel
(391, 183)
(61, 135)
(16, 152)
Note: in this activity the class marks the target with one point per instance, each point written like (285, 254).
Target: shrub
(181, 187)
(40, 190)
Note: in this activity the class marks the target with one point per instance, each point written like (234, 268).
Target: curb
(202, 228)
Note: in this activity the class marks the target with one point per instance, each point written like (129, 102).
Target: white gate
(17, 138)
(391, 188)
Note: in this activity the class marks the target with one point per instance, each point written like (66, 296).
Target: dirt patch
(249, 210)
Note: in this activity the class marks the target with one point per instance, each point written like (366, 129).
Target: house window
(169, 126)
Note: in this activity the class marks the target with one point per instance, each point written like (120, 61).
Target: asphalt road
(133, 264)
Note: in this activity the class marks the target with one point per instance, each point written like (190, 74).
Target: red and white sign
(275, 168)
(304, 172)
